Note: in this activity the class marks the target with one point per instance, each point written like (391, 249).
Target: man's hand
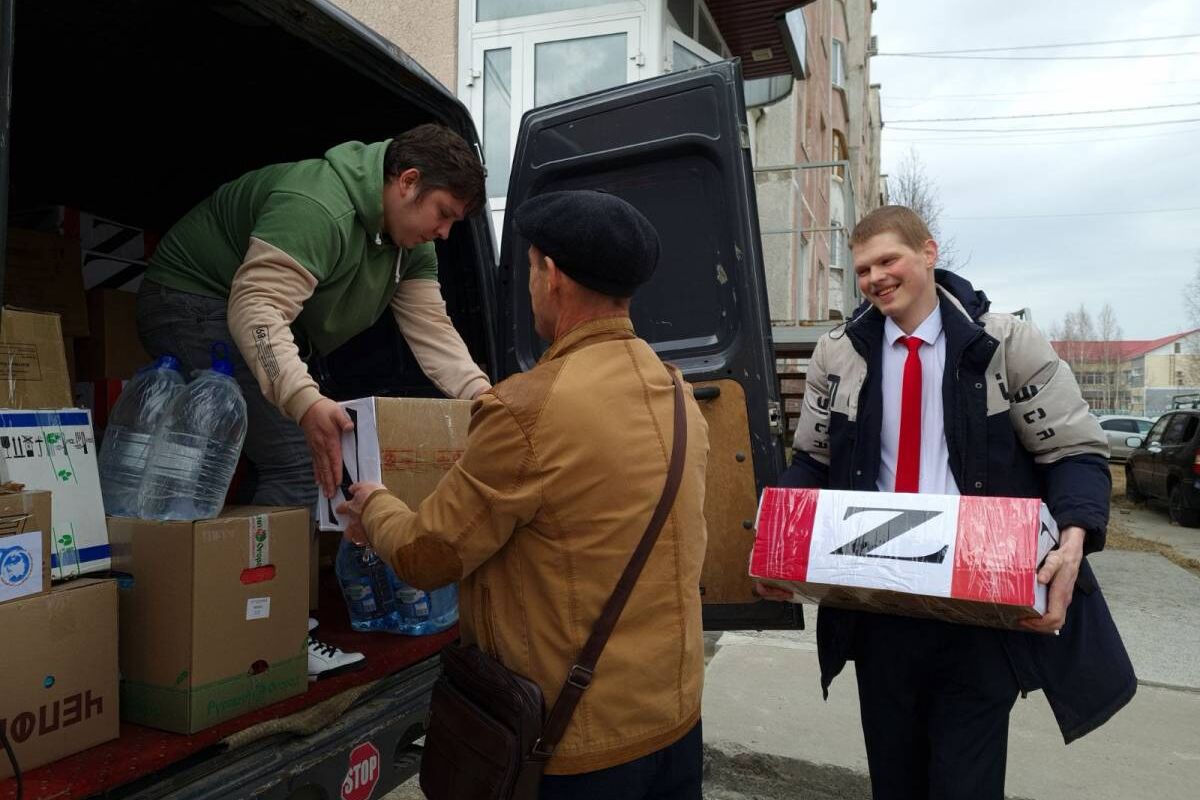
(773, 593)
(323, 425)
(1059, 572)
(353, 509)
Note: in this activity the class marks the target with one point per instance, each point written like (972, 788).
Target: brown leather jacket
(563, 467)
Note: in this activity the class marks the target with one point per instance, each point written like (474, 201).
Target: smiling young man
(925, 390)
(319, 248)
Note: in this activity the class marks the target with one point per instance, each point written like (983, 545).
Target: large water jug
(131, 426)
(420, 613)
(195, 450)
(366, 585)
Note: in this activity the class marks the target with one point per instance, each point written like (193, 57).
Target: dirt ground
(1119, 537)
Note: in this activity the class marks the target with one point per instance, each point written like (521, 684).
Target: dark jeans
(673, 773)
(935, 701)
(186, 326)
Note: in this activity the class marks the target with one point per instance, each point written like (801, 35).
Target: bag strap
(579, 677)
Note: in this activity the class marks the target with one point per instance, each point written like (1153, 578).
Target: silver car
(1118, 429)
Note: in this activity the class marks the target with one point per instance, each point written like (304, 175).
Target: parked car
(1165, 465)
(1121, 428)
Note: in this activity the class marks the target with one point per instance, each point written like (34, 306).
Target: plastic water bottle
(131, 426)
(195, 450)
(420, 613)
(366, 584)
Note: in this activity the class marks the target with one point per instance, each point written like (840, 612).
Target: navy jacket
(1016, 426)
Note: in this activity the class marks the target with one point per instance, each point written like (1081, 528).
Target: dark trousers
(186, 326)
(935, 701)
(673, 773)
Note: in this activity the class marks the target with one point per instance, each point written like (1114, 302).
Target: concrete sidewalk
(762, 694)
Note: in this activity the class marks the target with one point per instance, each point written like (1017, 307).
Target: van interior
(134, 110)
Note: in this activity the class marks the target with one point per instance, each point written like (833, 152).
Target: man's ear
(554, 276)
(409, 179)
(930, 251)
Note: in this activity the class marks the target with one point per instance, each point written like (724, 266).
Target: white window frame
(837, 64)
(548, 19)
(674, 37)
(524, 47)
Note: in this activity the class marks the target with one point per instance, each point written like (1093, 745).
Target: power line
(1051, 114)
(1021, 93)
(1044, 58)
(1046, 130)
(1044, 46)
(1007, 141)
(1082, 214)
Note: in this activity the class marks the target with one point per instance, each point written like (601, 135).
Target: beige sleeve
(420, 312)
(266, 296)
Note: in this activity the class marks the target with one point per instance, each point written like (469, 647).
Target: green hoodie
(327, 214)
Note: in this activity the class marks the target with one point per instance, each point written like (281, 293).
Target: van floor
(142, 751)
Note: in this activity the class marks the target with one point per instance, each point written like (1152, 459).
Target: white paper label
(260, 541)
(20, 565)
(360, 460)
(258, 608)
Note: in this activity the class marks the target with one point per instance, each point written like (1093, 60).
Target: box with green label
(214, 615)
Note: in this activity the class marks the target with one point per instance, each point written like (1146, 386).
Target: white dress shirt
(936, 477)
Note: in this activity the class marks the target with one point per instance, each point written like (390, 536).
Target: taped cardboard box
(55, 451)
(43, 272)
(24, 543)
(33, 361)
(113, 350)
(963, 559)
(60, 690)
(407, 443)
(214, 615)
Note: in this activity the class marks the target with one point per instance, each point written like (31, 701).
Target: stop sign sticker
(363, 773)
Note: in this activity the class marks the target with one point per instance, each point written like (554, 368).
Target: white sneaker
(325, 660)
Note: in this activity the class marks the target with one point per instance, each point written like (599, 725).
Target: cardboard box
(105, 271)
(43, 272)
(93, 232)
(56, 451)
(113, 349)
(24, 543)
(59, 672)
(963, 559)
(408, 443)
(33, 363)
(214, 617)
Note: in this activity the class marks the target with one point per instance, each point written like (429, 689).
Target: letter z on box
(964, 559)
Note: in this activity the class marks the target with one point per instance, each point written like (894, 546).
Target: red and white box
(963, 559)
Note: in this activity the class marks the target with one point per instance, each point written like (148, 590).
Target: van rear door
(676, 147)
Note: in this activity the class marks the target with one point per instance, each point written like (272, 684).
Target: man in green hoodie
(322, 248)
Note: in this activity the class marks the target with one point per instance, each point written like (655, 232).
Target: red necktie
(908, 456)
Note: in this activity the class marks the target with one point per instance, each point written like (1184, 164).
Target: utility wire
(1082, 214)
(1044, 58)
(1045, 46)
(1017, 93)
(1050, 114)
(1044, 130)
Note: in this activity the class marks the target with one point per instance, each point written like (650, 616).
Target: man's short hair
(443, 158)
(900, 220)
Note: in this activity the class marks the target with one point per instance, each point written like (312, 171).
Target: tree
(1191, 304)
(1093, 351)
(911, 186)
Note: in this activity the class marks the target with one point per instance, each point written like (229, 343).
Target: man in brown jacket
(563, 467)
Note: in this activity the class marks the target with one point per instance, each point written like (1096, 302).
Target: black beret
(597, 238)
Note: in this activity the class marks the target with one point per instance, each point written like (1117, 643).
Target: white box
(56, 451)
(406, 443)
(960, 558)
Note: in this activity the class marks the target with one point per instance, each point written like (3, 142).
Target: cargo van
(134, 110)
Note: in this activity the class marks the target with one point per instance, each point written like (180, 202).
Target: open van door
(676, 147)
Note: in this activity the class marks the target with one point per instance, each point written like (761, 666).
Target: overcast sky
(1137, 262)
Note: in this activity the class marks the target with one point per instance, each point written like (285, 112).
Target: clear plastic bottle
(195, 450)
(366, 584)
(421, 613)
(131, 427)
